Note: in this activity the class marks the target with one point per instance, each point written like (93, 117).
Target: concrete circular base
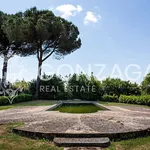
(117, 122)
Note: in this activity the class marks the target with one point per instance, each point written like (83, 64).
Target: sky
(115, 38)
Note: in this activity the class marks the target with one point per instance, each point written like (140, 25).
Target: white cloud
(91, 17)
(68, 10)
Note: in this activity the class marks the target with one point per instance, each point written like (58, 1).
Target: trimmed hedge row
(4, 100)
(141, 100)
(109, 98)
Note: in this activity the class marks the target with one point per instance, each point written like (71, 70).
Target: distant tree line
(81, 86)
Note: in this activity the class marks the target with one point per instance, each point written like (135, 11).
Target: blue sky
(114, 33)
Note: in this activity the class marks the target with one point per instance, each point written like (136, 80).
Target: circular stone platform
(113, 122)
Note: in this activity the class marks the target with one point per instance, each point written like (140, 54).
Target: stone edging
(112, 136)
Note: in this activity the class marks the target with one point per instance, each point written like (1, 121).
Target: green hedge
(109, 98)
(141, 100)
(20, 98)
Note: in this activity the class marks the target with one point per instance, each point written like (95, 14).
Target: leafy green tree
(117, 87)
(32, 87)
(11, 39)
(4, 43)
(78, 85)
(85, 87)
(129, 88)
(23, 85)
(44, 34)
(145, 85)
(97, 87)
(112, 86)
(52, 87)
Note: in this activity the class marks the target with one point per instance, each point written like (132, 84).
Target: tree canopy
(11, 40)
(4, 42)
(42, 33)
(145, 85)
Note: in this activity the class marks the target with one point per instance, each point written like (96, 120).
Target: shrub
(32, 87)
(141, 100)
(110, 98)
(118, 87)
(22, 98)
(4, 100)
(51, 87)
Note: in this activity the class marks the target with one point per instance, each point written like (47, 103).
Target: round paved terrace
(118, 119)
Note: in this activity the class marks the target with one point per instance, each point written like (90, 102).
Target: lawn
(6, 107)
(121, 104)
(36, 103)
(132, 144)
(9, 140)
(30, 103)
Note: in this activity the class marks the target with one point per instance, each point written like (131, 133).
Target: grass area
(30, 103)
(78, 108)
(121, 104)
(6, 107)
(36, 103)
(132, 144)
(9, 140)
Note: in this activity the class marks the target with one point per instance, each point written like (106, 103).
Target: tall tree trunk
(4, 71)
(38, 79)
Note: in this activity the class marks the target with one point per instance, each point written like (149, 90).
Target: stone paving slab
(97, 142)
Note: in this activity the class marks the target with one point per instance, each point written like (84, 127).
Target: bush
(141, 100)
(22, 98)
(110, 98)
(118, 87)
(51, 87)
(4, 100)
(32, 87)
